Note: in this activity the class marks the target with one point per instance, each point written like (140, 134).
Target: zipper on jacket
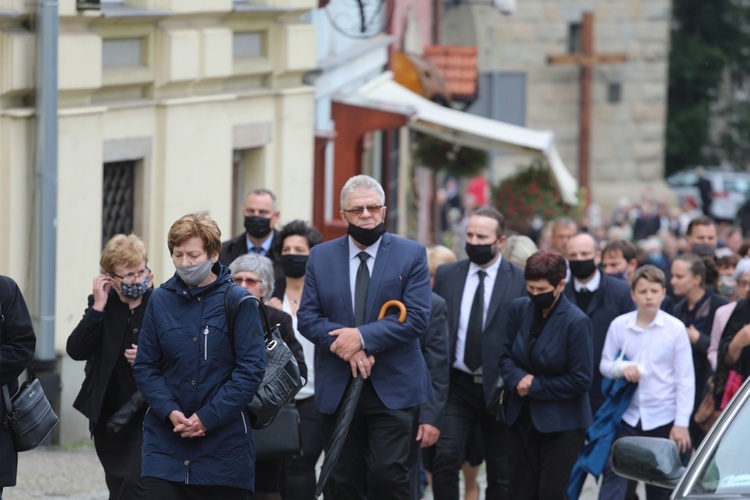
(205, 342)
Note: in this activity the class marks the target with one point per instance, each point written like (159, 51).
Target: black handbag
(30, 415)
(281, 439)
(129, 409)
(496, 400)
(282, 380)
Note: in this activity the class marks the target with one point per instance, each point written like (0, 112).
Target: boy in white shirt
(661, 363)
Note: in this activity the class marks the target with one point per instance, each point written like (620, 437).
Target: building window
(614, 93)
(247, 45)
(501, 96)
(118, 199)
(574, 38)
(122, 53)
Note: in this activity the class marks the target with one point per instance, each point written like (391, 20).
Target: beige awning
(464, 128)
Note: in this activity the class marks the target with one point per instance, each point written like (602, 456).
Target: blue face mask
(135, 290)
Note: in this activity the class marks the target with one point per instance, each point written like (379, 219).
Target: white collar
(591, 286)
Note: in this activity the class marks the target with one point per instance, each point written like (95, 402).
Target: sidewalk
(55, 473)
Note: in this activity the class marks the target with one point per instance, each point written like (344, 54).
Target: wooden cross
(586, 59)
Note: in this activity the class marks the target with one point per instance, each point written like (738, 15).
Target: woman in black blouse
(107, 339)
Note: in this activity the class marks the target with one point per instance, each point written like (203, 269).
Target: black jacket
(17, 345)
(231, 249)
(434, 345)
(98, 342)
(609, 301)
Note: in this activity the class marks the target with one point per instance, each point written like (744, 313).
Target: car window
(737, 185)
(685, 179)
(728, 471)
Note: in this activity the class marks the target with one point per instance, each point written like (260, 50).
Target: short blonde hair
(195, 225)
(439, 255)
(121, 250)
(518, 248)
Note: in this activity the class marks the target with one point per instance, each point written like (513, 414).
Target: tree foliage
(708, 37)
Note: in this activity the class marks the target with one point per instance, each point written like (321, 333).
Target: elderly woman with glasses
(254, 273)
(107, 338)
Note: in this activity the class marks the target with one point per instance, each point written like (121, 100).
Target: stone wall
(627, 138)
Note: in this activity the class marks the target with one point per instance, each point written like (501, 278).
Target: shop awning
(464, 128)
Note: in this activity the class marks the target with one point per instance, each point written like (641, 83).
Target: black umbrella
(346, 411)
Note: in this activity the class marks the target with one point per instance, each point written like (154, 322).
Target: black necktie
(473, 344)
(257, 249)
(361, 284)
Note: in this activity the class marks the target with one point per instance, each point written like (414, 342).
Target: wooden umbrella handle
(394, 303)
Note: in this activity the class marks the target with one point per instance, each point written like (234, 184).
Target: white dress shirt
(308, 349)
(354, 262)
(591, 286)
(666, 390)
(470, 288)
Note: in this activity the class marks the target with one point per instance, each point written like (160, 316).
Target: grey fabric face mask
(194, 274)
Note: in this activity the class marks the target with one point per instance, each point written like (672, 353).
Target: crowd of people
(648, 315)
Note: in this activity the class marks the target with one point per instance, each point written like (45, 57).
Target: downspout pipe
(45, 196)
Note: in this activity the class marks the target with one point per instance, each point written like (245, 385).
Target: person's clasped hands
(187, 427)
(348, 346)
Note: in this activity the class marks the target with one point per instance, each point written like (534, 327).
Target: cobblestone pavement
(55, 473)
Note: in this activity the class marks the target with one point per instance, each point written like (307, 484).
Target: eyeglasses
(250, 281)
(743, 283)
(140, 275)
(358, 211)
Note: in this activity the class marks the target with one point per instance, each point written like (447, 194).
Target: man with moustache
(261, 213)
(600, 296)
(478, 292)
(347, 282)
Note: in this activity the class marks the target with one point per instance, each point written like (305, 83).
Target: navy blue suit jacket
(509, 284)
(609, 301)
(400, 272)
(561, 363)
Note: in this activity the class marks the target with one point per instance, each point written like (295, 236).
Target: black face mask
(703, 249)
(622, 275)
(582, 269)
(481, 254)
(294, 265)
(364, 236)
(257, 227)
(543, 300)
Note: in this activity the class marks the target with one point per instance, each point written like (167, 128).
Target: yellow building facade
(198, 101)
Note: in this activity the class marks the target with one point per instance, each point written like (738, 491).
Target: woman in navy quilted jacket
(197, 441)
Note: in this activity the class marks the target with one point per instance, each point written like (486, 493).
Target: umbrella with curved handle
(346, 412)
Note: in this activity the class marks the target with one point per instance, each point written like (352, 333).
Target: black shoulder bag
(30, 416)
(282, 380)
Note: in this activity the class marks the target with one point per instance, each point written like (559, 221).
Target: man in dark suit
(597, 294)
(347, 282)
(476, 324)
(434, 346)
(261, 213)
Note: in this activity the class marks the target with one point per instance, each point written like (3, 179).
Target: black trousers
(160, 489)
(299, 472)
(120, 456)
(464, 410)
(374, 462)
(542, 462)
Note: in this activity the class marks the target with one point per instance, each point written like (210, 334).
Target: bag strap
(233, 312)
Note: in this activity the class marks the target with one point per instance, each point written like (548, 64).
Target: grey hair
(261, 192)
(258, 264)
(518, 248)
(564, 221)
(362, 182)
